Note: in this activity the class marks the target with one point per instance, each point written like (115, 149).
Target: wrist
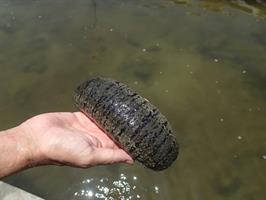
(28, 143)
(22, 146)
(16, 151)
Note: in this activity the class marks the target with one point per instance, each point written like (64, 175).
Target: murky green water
(203, 63)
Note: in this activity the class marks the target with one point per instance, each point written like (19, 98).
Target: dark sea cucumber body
(132, 121)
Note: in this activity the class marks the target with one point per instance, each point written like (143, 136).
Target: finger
(106, 156)
(91, 128)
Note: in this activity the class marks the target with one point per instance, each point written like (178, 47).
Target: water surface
(201, 62)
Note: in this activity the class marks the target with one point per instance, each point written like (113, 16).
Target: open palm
(71, 139)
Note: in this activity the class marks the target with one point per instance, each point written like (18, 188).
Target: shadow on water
(142, 69)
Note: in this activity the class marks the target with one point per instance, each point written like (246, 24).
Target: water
(201, 62)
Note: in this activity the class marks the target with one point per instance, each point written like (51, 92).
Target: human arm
(57, 138)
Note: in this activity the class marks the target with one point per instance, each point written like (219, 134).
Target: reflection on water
(205, 70)
(124, 188)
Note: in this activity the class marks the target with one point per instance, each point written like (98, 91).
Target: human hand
(72, 139)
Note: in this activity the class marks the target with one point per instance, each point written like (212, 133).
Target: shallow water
(201, 62)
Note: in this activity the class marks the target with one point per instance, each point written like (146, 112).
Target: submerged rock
(254, 7)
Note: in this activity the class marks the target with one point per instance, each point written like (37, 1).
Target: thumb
(105, 156)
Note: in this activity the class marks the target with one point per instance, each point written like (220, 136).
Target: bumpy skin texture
(130, 120)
